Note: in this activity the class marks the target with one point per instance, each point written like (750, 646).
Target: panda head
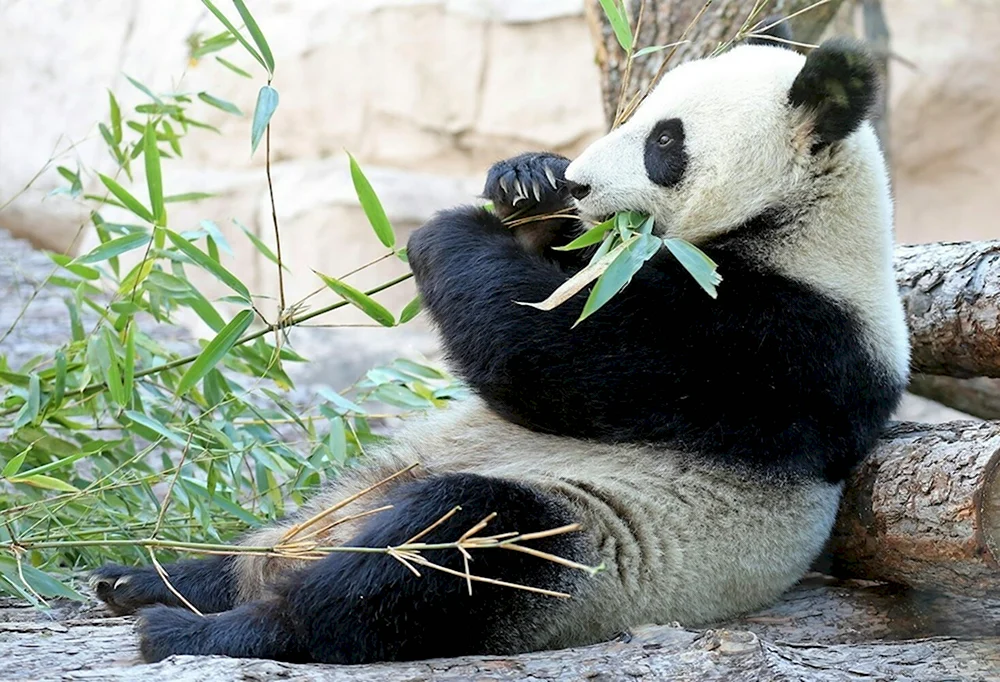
(723, 139)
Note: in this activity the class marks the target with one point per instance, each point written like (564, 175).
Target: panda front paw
(531, 183)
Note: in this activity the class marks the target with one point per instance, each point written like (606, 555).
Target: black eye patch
(665, 157)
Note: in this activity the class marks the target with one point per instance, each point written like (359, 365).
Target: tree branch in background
(951, 291)
(877, 35)
(923, 510)
(666, 21)
(978, 397)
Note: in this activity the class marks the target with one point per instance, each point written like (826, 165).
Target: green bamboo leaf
(343, 404)
(46, 482)
(232, 30)
(263, 248)
(218, 103)
(144, 89)
(619, 273)
(116, 118)
(155, 426)
(129, 201)
(115, 247)
(694, 260)
(59, 386)
(14, 465)
(410, 311)
(655, 48)
(128, 376)
(371, 205)
(365, 303)
(619, 23)
(267, 102)
(187, 196)
(114, 376)
(255, 33)
(154, 174)
(29, 411)
(172, 139)
(232, 67)
(215, 350)
(591, 236)
(203, 260)
(81, 271)
(41, 583)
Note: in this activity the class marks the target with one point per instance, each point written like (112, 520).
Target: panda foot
(529, 183)
(126, 589)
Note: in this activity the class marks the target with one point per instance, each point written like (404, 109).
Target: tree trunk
(924, 510)
(978, 397)
(952, 295)
(667, 21)
(75, 644)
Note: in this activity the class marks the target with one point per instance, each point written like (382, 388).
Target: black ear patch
(770, 27)
(837, 86)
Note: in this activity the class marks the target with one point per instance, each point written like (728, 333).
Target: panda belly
(680, 540)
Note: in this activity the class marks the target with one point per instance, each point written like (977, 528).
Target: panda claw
(550, 176)
(537, 191)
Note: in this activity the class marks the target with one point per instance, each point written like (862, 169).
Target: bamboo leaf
(232, 67)
(694, 260)
(154, 174)
(204, 261)
(115, 247)
(371, 205)
(365, 303)
(591, 236)
(215, 350)
(619, 23)
(116, 118)
(218, 103)
(255, 33)
(155, 426)
(144, 89)
(619, 273)
(263, 248)
(574, 284)
(29, 411)
(46, 482)
(267, 102)
(232, 30)
(410, 310)
(129, 201)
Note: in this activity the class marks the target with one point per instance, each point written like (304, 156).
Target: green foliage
(116, 437)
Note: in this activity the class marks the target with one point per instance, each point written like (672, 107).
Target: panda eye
(664, 140)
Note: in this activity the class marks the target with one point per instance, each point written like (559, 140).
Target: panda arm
(532, 366)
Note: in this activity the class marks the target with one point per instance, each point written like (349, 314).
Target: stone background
(426, 94)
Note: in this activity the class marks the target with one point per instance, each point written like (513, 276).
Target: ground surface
(823, 630)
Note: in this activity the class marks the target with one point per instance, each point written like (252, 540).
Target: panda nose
(577, 190)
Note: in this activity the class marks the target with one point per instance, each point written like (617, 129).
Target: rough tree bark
(823, 630)
(924, 510)
(952, 295)
(665, 21)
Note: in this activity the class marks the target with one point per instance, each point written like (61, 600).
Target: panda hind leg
(208, 584)
(353, 608)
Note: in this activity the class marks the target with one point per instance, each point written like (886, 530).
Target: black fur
(769, 26)
(837, 86)
(207, 584)
(361, 608)
(771, 374)
(665, 157)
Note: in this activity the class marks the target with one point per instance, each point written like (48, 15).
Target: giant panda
(701, 444)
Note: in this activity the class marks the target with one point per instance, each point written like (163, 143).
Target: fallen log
(977, 397)
(924, 510)
(778, 644)
(951, 291)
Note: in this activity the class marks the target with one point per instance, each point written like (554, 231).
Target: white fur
(749, 150)
(692, 543)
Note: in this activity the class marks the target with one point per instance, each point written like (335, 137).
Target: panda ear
(774, 26)
(836, 88)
